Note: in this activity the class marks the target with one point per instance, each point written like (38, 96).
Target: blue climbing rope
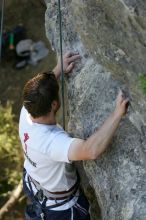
(1, 29)
(61, 57)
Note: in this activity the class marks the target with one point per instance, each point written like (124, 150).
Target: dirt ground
(30, 13)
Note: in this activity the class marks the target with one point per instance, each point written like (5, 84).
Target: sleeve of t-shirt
(59, 147)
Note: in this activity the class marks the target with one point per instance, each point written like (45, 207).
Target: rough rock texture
(111, 37)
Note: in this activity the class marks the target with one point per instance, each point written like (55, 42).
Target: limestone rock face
(110, 35)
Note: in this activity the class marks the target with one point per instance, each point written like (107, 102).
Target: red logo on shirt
(26, 137)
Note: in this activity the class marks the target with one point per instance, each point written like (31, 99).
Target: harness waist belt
(56, 195)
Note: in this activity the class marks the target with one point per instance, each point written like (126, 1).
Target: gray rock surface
(110, 35)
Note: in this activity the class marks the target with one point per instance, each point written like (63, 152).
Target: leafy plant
(10, 150)
(142, 79)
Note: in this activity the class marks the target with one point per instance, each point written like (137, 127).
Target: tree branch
(12, 200)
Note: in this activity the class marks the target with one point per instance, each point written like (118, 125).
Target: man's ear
(54, 104)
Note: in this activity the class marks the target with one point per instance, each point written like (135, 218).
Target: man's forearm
(98, 142)
(57, 72)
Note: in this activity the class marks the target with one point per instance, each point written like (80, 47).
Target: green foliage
(10, 150)
(142, 79)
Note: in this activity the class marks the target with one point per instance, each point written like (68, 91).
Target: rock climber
(50, 179)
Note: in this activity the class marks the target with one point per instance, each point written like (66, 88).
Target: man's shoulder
(23, 113)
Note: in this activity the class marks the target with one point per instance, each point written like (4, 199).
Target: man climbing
(50, 179)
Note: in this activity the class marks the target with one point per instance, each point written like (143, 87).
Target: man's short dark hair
(39, 93)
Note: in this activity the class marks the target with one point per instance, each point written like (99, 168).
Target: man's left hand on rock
(69, 59)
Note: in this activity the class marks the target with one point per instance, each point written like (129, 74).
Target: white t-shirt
(46, 154)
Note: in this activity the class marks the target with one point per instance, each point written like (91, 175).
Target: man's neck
(48, 119)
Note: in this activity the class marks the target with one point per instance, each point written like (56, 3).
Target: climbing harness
(36, 209)
(61, 57)
(61, 195)
(1, 30)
